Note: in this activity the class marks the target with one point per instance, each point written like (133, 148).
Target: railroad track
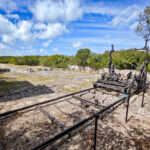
(5, 114)
(92, 108)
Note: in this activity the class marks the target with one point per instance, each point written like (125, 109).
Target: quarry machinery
(129, 85)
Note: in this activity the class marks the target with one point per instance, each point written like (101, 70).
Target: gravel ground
(25, 130)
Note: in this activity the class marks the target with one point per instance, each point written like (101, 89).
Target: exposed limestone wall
(99, 71)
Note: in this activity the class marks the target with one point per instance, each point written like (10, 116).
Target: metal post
(110, 57)
(146, 69)
(127, 108)
(143, 97)
(95, 134)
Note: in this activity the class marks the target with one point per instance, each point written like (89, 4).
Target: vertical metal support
(143, 97)
(110, 57)
(127, 106)
(95, 134)
(146, 69)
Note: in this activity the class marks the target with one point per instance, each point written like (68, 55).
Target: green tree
(57, 61)
(82, 56)
(143, 26)
(94, 61)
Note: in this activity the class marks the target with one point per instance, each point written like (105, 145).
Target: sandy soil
(25, 130)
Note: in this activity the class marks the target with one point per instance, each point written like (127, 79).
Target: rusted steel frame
(110, 87)
(110, 57)
(95, 132)
(41, 103)
(122, 84)
(106, 92)
(142, 104)
(146, 69)
(0, 147)
(127, 108)
(47, 105)
(84, 100)
(77, 125)
(141, 90)
(51, 118)
(87, 111)
(114, 108)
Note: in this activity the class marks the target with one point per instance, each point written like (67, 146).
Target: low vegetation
(123, 59)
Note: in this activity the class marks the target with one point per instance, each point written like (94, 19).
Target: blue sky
(47, 27)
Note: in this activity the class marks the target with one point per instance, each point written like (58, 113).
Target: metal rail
(86, 101)
(82, 122)
(80, 106)
(51, 118)
(68, 130)
(0, 147)
(41, 103)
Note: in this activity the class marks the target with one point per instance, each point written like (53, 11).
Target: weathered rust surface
(110, 87)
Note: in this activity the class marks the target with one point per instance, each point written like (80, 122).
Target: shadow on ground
(15, 90)
(107, 138)
(82, 138)
(24, 138)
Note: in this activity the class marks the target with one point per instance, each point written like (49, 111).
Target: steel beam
(41, 103)
(68, 130)
(51, 118)
(79, 106)
(127, 106)
(86, 101)
(95, 133)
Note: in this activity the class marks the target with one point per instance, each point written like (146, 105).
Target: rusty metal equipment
(130, 85)
(114, 81)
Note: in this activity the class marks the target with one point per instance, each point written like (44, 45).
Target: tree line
(123, 59)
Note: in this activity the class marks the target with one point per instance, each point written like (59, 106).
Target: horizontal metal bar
(110, 87)
(41, 103)
(84, 100)
(46, 105)
(51, 117)
(0, 147)
(122, 84)
(79, 106)
(67, 131)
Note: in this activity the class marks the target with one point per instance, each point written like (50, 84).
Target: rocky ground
(25, 130)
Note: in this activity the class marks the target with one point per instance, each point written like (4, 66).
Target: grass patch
(6, 86)
(85, 84)
(71, 89)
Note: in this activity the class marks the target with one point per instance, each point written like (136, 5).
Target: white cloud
(50, 30)
(101, 8)
(43, 51)
(49, 20)
(6, 50)
(127, 16)
(46, 44)
(13, 16)
(6, 27)
(54, 11)
(134, 25)
(107, 36)
(55, 49)
(24, 31)
(8, 39)
(76, 44)
(39, 26)
(10, 32)
(8, 5)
